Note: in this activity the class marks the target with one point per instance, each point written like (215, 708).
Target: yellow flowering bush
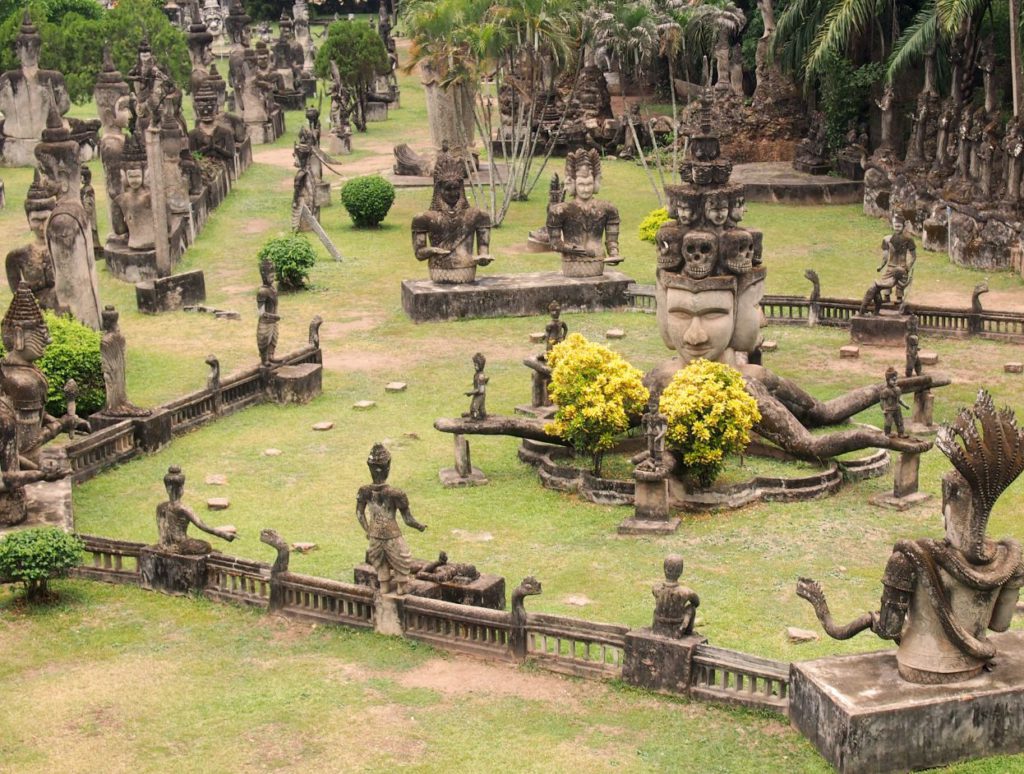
(596, 392)
(649, 226)
(709, 415)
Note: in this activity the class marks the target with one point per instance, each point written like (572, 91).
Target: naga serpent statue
(529, 586)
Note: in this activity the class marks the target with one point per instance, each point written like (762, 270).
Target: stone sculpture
(889, 398)
(266, 306)
(675, 606)
(253, 89)
(212, 139)
(32, 263)
(88, 196)
(135, 226)
(939, 596)
(812, 155)
(899, 254)
(114, 105)
(200, 51)
(650, 463)
(443, 571)
(341, 111)
(539, 240)
(376, 506)
(409, 163)
(913, 354)
(577, 228)
(173, 518)
(68, 231)
(451, 236)
(477, 406)
(305, 185)
(556, 330)
(112, 354)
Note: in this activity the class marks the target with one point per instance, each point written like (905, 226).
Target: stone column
(463, 474)
(158, 195)
(659, 663)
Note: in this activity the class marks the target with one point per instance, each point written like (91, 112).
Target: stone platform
(168, 294)
(863, 717)
(885, 330)
(513, 295)
(777, 181)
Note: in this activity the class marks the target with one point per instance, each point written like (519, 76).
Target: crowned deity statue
(305, 185)
(451, 236)
(210, 138)
(940, 596)
(899, 254)
(134, 225)
(266, 308)
(114, 362)
(32, 263)
(584, 230)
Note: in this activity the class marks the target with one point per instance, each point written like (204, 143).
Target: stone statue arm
(224, 533)
(885, 254)
(556, 236)
(483, 240)
(689, 612)
(422, 249)
(407, 517)
(1006, 602)
(361, 511)
(117, 221)
(611, 235)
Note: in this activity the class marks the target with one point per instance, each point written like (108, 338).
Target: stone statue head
(673, 567)
(737, 205)
(700, 253)
(39, 203)
(697, 318)
(23, 329)
(302, 151)
(890, 376)
(555, 310)
(716, 208)
(205, 101)
(449, 186)
(58, 154)
(736, 248)
(110, 88)
(133, 162)
(110, 317)
(899, 223)
(237, 24)
(379, 463)
(684, 204)
(200, 43)
(28, 42)
(267, 271)
(479, 361)
(583, 173)
(174, 483)
(746, 336)
(262, 55)
(287, 26)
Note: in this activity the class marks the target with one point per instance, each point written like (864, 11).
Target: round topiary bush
(293, 256)
(368, 200)
(649, 226)
(33, 556)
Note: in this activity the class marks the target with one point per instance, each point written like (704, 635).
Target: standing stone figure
(88, 196)
(556, 330)
(266, 306)
(913, 355)
(1013, 145)
(112, 353)
(899, 254)
(376, 506)
(577, 228)
(173, 518)
(655, 427)
(891, 402)
(304, 187)
(135, 225)
(675, 606)
(452, 237)
(32, 263)
(939, 596)
(477, 406)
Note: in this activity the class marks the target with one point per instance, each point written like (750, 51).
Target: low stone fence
(122, 440)
(837, 313)
(572, 646)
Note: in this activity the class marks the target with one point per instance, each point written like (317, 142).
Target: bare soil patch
(275, 157)
(256, 226)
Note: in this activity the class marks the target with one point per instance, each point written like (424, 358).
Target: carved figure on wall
(376, 507)
(173, 518)
(478, 405)
(675, 606)
(114, 361)
(445, 235)
(940, 596)
(891, 404)
(211, 139)
(577, 228)
(266, 307)
(32, 263)
(1013, 146)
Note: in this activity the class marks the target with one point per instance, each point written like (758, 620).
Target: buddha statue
(32, 263)
(445, 235)
(940, 596)
(210, 138)
(135, 225)
(577, 228)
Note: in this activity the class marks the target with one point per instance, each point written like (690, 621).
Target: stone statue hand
(228, 532)
(483, 260)
(53, 470)
(425, 253)
(70, 422)
(420, 527)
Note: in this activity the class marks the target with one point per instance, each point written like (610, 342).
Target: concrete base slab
(541, 412)
(891, 501)
(168, 294)
(649, 526)
(514, 295)
(778, 181)
(863, 717)
(450, 477)
(884, 330)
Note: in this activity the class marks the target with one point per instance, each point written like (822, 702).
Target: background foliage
(33, 556)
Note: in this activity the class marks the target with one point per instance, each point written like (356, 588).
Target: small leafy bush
(33, 556)
(709, 415)
(596, 391)
(368, 200)
(649, 226)
(293, 256)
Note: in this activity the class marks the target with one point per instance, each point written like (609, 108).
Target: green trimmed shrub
(649, 226)
(293, 256)
(33, 556)
(368, 200)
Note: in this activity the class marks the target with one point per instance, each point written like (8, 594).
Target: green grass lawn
(97, 679)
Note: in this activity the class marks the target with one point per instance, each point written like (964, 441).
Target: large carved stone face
(133, 178)
(28, 54)
(262, 59)
(585, 184)
(699, 324)
(700, 253)
(451, 191)
(686, 212)
(716, 210)
(206, 109)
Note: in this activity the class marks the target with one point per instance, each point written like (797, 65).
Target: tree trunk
(1015, 70)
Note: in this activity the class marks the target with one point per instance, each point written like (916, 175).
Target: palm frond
(952, 13)
(915, 41)
(843, 21)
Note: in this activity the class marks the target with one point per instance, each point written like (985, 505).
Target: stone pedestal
(659, 663)
(154, 431)
(905, 492)
(171, 573)
(884, 330)
(651, 512)
(463, 474)
(169, 294)
(812, 168)
(513, 295)
(297, 383)
(387, 614)
(863, 717)
(130, 265)
(921, 420)
(376, 111)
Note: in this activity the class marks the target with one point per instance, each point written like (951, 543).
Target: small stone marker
(304, 548)
(217, 479)
(615, 333)
(537, 338)
(271, 452)
(218, 503)
(849, 351)
(395, 387)
(578, 600)
(928, 357)
(1014, 368)
(323, 426)
(798, 636)
(225, 314)
(769, 346)
(362, 405)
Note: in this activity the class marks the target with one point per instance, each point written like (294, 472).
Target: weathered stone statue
(200, 51)
(577, 228)
(341, 110)
(68, 231)
(451, 236)
(266, 306)
(32, 263)
(173, 518)
(1013, 146)
(376, 508)
(211, 139)
(264, 120)
(891, 403)
(112, 353)
(675, 606)
(650, 462)
(899, 254)
(115, 111)
(477, 406)
(135, 226)
(88, 197)
(27, 96)
(940, 596)
(913, 355)
(304, 187)
(556, 330)
(538, 239)
(812, 151)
